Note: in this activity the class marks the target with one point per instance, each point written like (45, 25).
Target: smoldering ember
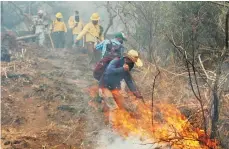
(114, 75)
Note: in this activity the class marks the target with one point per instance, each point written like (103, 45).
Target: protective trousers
(58, 39)
(41, 36)
(94, 55)
(113, 100)
(79, 43)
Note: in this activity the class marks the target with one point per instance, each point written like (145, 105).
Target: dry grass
(172, 86)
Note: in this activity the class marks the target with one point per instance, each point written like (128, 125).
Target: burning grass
(164, 123)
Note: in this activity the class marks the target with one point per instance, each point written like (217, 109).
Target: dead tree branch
(153, 88)
(180, 49)
(27, 19)
(111, 17)
(202, 66)
(220, 4)
(198, 97)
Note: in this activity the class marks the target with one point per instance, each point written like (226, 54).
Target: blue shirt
(102, 46)
(113, 75)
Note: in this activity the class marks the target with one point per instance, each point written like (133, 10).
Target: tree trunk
(111, 18)
(215, 103)
(215, 116)
(108, 26)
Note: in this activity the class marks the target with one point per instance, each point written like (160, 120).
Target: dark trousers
(58, 39)
(93, 54)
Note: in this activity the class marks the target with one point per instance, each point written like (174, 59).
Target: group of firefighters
(111, 53)
(92, 32)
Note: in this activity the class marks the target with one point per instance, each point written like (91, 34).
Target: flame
(168, 126)
(165, 124)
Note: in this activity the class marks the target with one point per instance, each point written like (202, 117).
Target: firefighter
(40, 27)
(58, 29)
(114, 48)
(76, 25)
(93, 34)
(110, 86)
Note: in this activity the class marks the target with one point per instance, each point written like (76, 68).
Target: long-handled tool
(83, 41)
(51, 40)
(50, 37)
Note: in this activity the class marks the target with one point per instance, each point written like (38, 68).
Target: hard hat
(134, 56)
(121, 35)
(40, 12)
(59, 15)
(95, 17)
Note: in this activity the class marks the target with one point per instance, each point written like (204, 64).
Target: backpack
(113, 50)
(101, 66)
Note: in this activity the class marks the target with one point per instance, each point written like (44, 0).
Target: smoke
(86, 8)
(111, 140)
(13, 19)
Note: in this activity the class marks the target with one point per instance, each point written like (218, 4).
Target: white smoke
(111, 140)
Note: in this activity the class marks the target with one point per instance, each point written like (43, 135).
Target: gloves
(138, 95)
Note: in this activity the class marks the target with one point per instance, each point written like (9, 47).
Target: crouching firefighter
(110, 82)
(110, 49)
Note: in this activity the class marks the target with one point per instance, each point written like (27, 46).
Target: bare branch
(201, 64)
(179, 48)
(220, 4)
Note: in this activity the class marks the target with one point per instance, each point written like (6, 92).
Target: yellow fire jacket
(58, 26)
(91, 32)
(72, 25)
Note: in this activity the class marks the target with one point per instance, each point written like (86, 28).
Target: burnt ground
(44, 101)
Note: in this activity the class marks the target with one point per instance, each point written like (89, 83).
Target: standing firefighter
(93, 33)
(58, 29)
(117, 70)
(40, 27)
(76, 25)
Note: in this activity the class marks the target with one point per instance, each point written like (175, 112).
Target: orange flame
(168, 125)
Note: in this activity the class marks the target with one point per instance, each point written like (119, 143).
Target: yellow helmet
(59, 15)
(134, 56)
(95, 17)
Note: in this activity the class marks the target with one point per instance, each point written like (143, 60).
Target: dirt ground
(44, 103)
(45, 100)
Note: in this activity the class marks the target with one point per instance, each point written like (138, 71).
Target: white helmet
(40, 12)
